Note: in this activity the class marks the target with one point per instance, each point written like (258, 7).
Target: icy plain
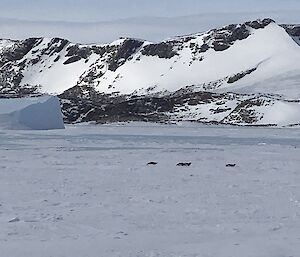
(87, 191)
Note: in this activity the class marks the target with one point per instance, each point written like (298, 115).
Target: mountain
(239, 74)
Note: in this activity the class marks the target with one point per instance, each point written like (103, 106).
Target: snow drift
(36, 113)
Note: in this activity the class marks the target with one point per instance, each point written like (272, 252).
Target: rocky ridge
(98, 71)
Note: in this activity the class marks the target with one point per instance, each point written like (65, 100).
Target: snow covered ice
(37, 113)
(88, 191)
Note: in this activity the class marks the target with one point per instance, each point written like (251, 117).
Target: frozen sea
(87, 191)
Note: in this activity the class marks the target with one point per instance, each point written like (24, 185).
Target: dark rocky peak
(116, 54)
(221, 39)
(75, 52)
(292, 30)
(217, 39)
(164, 50)
(259, 24)
(76, 49)
(123, 52)
(56, 45)
(19, 50)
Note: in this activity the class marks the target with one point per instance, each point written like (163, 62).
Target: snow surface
(280, 113)
(31, 113)
(87, 191)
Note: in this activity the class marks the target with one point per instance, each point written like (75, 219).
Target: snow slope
(35, 113)
(271, 50)
(278, 70)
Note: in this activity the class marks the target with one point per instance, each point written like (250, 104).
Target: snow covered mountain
(241, 74)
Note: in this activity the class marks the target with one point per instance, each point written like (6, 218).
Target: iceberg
(31, 113)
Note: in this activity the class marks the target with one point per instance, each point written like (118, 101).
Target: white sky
(135, 18)
(101, 10)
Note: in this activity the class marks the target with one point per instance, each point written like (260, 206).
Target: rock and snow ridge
(251, 68)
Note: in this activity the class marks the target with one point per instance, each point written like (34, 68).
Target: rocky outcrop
(239, 76)
(182, 105)
(293, 31)
(224, 38)
(123, 53)
(162, 50)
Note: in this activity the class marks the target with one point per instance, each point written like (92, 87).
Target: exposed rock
(239, 76)
(19, 50)
(162, 50)
(222, 39)
(293, 30)
(184, 104)
(126, 50)
(72, 60)
(75, 50)
(260, 24)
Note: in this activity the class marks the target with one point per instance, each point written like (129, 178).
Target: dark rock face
(75, 50)
(77, 53)
(56, 45)
(239, 76)
(111, 108)
(204, 48)
(293, 30)
(124, 52)
(260, 24)
(107, 108)
(115, 109)
(224, 38)
(72, 59)
(162, 50)
(245, 113)
(19, 50)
